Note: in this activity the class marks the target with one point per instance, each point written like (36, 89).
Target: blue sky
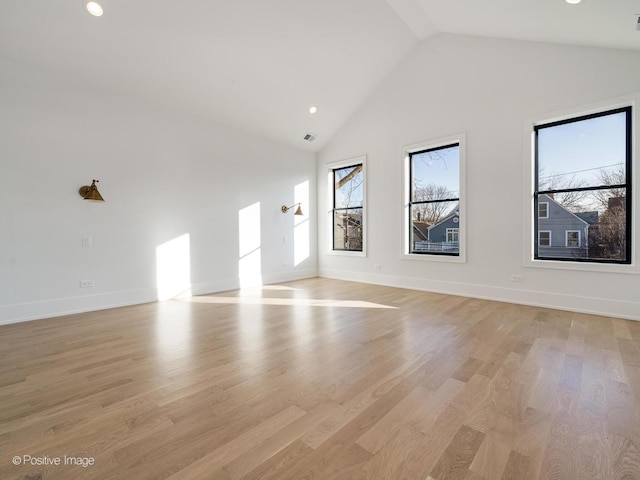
(581, 149)
(440, 167)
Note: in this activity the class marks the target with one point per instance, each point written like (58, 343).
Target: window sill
(434, 258)
(347, 253)
(584, 266)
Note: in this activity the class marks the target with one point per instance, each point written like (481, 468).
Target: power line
(580, 171)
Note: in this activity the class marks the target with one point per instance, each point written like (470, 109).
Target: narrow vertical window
(583, 188)
(434, 201)
(543, 210)
(348, 204)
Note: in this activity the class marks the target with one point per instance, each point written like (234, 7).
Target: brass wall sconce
(298, 211)
(91, 192)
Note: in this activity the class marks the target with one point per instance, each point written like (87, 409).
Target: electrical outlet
(87, 284)
(87, 241)
(377, 266)
(517, 278)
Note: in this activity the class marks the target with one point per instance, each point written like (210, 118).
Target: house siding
(438, 233)
(559, 222)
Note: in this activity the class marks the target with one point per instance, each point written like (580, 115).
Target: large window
(583, 188)
(434, 200)
(348, 207)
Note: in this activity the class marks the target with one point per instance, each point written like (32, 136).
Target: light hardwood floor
(323, 379)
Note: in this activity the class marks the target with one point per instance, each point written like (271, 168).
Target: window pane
(348, 187)
(452, 234)
(432, 213)
(583, 153)
(544, 239)
(435, 174)
(543, 209)
(347, 229)
(587, 225)
(435, 228)
(573, 238)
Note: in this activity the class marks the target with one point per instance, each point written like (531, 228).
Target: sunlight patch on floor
(305, 302)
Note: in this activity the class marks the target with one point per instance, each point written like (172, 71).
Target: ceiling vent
(310, 137)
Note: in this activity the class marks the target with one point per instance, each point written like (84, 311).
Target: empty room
(293, 239)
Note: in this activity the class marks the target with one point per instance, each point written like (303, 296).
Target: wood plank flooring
(322, 379)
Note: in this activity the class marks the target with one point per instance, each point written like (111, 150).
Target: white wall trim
(574, 303)
(39, 310)
(56, 307)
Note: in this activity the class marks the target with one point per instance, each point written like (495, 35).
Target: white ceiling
(259, 64)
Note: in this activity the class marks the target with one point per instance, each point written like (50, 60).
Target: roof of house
(421, 230)
(455, 211)
(590, 217)
(551, 199)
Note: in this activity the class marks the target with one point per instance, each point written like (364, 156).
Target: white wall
(486, 88)
(162, 173)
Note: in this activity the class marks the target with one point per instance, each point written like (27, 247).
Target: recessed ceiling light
(313, 109)
(95, 9)
(573, 2)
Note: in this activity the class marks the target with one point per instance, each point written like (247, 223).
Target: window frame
(331, 167)
(405, 238)
(627, 185)
(529, 175)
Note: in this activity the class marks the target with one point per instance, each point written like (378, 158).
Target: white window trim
(330, 168)
(632, 100)
(543, 203)
(460, 139)
(544, 231)
(566, 238)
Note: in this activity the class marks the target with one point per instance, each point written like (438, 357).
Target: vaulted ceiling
(259, 65)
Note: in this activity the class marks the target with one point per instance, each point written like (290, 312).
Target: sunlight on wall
(301, 229)
(250, 259)
(173, 268)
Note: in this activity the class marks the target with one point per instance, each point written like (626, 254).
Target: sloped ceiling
(600, 23)
(259, 65)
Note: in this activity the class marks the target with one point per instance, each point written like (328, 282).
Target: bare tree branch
(430, 212)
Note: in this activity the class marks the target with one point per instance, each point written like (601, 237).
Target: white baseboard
(289, 276)
(592, 305)
(23, 312)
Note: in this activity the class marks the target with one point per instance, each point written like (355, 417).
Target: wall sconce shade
(91, 192)
(298, 211)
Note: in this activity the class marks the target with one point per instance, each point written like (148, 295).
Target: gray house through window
(443, 236)
(561, 233)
